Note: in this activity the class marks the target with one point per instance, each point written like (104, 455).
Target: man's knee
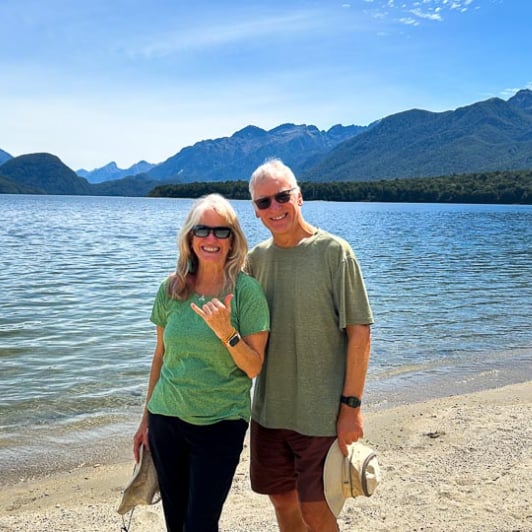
(285, 501)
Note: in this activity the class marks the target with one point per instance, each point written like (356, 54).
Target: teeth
(278, 217)
(210, 250)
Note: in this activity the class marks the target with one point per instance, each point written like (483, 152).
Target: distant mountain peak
(44, 172)
(235, 157)
(485, 136)
(250, 131)
(522, 100)
(111, 171)
(4, 156)
(289, 128)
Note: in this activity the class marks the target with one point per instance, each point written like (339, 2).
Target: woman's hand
(217, 315)
(141, 438)
(248, 354)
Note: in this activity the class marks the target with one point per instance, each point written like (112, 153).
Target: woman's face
(211, 249)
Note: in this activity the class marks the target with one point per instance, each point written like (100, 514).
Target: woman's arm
(248, 354)
(141, 436)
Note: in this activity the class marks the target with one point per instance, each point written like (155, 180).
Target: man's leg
(310, 453)
(318, 517)
(288, 512)
(273, 474)
(288, 467)
(305, 517)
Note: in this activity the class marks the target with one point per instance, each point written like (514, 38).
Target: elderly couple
(297, 320)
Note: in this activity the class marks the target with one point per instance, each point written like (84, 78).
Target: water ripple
(449, 285)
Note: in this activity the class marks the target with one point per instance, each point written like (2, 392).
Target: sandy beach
(460, 463)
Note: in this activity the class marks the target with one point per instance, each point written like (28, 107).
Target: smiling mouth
(210, 249)
(277, 218)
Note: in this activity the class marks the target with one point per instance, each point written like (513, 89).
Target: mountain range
(490, 135)
(111, 171)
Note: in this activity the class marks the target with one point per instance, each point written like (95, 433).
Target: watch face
(234, 340)
(353, 402)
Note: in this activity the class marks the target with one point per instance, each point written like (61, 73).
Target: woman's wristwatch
(232, 339)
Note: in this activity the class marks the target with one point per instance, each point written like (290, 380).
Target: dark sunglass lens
(222, 232)
(263, 203)
(201, 231)
(282, 197)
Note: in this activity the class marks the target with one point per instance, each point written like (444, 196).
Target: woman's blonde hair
(181, 283)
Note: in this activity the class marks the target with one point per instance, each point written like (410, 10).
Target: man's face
(283, 209)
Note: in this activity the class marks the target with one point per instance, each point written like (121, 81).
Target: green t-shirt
(199, 382)
(314, 290)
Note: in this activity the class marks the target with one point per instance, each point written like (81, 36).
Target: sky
(131, 80)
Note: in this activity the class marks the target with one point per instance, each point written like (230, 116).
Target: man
(315, 368)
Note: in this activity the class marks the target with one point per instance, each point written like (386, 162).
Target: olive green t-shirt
(199, 381)
(314, 290)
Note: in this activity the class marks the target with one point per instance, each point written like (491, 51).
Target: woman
(212, 327)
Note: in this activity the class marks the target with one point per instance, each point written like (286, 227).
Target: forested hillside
(511, 187)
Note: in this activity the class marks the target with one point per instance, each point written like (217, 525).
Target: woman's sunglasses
(280, 197)
(203, 231)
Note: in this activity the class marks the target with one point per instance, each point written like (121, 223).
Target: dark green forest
(505, 187)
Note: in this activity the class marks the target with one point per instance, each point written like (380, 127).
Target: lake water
(450, 286)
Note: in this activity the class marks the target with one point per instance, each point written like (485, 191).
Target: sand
(461, 463)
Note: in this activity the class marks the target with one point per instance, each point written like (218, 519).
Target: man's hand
(349, 427)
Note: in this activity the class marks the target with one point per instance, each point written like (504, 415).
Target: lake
(449, 286)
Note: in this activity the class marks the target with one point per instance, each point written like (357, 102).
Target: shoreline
(455, 463)
(45, 448)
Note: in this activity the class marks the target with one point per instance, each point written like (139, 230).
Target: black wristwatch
(233, 340)
(352, 401)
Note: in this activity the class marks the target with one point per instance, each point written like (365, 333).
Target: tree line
(504, 187)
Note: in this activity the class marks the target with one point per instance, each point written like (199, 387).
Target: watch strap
(351, 400)
(232, 339)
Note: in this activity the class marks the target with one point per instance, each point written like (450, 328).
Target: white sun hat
(143, 488)
(351, 476)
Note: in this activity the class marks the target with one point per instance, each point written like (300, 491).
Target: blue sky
(116, 80)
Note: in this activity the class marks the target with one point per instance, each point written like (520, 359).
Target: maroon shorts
(283, 460)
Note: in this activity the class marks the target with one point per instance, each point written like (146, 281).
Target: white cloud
(426, 15)
(409, 21)
(205, 36)
(429, 10)
(508, 93)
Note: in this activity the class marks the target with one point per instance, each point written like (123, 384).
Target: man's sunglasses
(280, 197)
(203, 231)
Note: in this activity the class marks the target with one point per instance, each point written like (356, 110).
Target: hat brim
(332, 479)
(143, 488)
(360, 471)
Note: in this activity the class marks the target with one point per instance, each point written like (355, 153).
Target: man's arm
(349, 426)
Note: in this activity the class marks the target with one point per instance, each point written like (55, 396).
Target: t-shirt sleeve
(350, 293)
(250, 308)
(159, 310)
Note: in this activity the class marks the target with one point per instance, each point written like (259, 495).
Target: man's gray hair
(272, 168)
